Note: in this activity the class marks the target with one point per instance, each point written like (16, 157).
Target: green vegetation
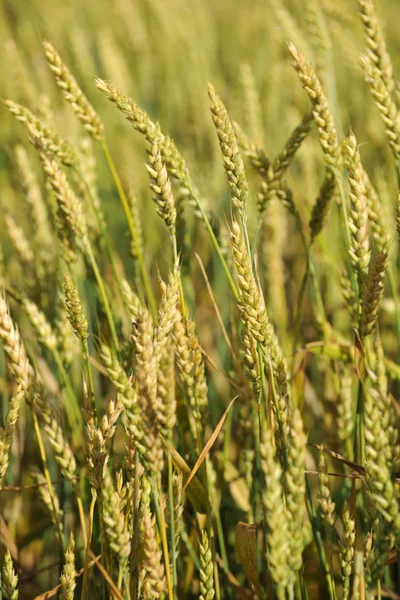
(199, 304)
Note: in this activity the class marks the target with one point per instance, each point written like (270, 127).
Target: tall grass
(199, 307)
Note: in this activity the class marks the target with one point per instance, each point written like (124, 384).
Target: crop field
(200, 300)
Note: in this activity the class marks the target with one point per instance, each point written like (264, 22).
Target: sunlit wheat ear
(377, 50)
(385, 103)
(73, 94)
(278, 167)
(256, 155)
(9, 578)
(116, 525)
(322, 204)
(154, 581)
(296, 488)
(192, 371)
(47, 337)
(132, 300)
(146, 381)
(207, 591)
(52, 426)
(345, 408)
(52, 143)
(68, 576)
(380, 502)
(376, 215)
(232, 160)
(160, 184)
(277, 535)
(328, 135)
(347, 549)
(7, 432)
(76, 315)
(326, 506)
(14, 347)
(251, 306)
(20, 242)
(250, 360)
(373, 293)
(358, 214)
(97, 456)
(173, 159)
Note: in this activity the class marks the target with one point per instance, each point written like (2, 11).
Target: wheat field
(199, 300)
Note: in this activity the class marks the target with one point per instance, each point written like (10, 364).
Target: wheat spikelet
(385, 103)
(249, 356)
(254, 153)
(326, 507)
(207, 591)
(375, 215)
(9, 578)
(6, 433)
(97, 457)
(358, 214)
(73, 94)
(62, 450)
(146, 380)
(20, 242)
(377, 51)
(76, 315)
(52, 142)
(160, 184)
(38, 319)
(116, 524)
(373, 293)
(277, 169)
(252, 310)
(231, 158)
(43, 233)
(347, 548)
(323, 117)
(68, 575)
(14, 347)
(127, 395)
(296, 489)
(109, 419)
(345, 408)
(154, 584)
(173, 159)
(321, 207)
(70, 211)
(277, 537)
(349, 296)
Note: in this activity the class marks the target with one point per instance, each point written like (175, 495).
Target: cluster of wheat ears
(201, 403)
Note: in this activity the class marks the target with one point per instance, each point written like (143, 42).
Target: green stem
(104, 235)
(132, 230)
(318, 540)
(217, 248)
(90, 379)
(378, 590)
(172, 519)
(47, 477)
(103, 295)
(157, 495)
(88, 542)
(70, 390)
